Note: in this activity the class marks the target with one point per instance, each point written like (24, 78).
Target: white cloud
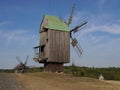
(9, 36)
(100, 4)
(4, 23)
(17, 36)
(118, 20)
(113, 29)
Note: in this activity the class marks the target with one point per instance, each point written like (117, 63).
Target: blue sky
(100, 39)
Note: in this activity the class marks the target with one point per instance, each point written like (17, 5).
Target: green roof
(55, 23)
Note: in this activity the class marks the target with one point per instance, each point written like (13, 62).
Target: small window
(42, 48)
(47, 39)
(45, 29)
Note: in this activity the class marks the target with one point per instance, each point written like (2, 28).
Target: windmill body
(21, 67)
(54, 48)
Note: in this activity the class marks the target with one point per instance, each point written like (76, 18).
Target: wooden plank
(42, 38)
(59, 46)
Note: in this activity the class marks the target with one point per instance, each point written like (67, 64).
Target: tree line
(110, 73)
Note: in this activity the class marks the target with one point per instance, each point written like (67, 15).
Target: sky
(100, 38)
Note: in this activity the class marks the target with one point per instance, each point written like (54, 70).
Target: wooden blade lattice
(77, 47)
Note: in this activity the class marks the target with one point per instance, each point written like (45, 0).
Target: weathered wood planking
(59, 46)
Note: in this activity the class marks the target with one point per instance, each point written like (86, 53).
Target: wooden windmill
(21, 67)
(54, 48)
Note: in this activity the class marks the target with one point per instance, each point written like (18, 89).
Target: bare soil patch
(9, 82)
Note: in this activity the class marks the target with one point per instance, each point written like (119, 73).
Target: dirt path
(9, 82)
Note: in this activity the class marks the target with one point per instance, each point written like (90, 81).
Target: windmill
(54, 48)
(21, 67)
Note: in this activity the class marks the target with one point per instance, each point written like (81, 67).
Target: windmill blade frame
(26, 60)
(71, 15)
(76, 28)
(76, 46)
(18, 59)
(78, 53)
(74, 42)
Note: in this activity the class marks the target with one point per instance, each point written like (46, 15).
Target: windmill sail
(76, 47)
(71, 15)
(74, 42)
(26, 60)
(76, 28)
(19, 60)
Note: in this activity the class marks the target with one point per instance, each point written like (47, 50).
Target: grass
(55, 81)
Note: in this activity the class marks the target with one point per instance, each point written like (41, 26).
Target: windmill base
(53, 67)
